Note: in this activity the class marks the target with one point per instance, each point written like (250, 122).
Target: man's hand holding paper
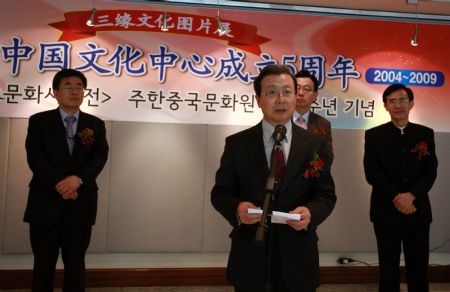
(247, 217)
(277, 217)
(304, 221)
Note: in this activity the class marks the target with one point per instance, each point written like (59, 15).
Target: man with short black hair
(401, 165)
(66, 151)
(288, 257)
(307, 92)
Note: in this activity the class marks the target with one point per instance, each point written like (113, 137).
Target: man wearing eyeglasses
(288, 258)
(401, 165)
(66, 150)
(307, 86)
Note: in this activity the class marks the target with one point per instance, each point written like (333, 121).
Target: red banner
(239, 35)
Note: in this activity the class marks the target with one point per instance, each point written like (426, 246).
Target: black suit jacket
(391, 167)
(242, 176)
(322, 127)
(50, 161)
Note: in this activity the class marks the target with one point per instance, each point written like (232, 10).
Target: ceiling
(427, 10)
(423, 6)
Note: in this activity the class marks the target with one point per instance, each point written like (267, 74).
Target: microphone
(279, 133)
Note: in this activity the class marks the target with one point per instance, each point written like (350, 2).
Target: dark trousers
(277, 282)
(46, 242)
(415, 241)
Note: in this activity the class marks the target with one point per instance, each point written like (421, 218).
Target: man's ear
(258, 98)
(315, 97)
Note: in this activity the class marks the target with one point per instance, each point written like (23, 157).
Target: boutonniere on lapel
(421, 149)
(315, 166)
(87, 136)
(320, 131)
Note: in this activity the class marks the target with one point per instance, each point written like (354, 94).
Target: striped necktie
(300, 121)
(277, 157)
(69, 132)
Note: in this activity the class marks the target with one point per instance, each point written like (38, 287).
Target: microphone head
(279, 133)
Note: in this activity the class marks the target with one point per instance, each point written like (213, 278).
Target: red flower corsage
(421, 149)
(320, 131)
(315, 166)
(87, 136)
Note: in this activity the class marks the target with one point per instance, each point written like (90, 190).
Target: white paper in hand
(282, 217)
(277, 217)
(254, 211)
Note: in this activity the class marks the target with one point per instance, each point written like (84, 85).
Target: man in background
(66, 150)
(307, 91)
(401, 165)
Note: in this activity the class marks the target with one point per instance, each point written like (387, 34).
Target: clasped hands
(242, 212)
(68, 187)
(404, 203)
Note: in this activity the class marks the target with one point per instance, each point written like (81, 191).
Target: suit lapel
(256, 152)
(80, 125)
(313, 122)
(60, 131)
(297, 153)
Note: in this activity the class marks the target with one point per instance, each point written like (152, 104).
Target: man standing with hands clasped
(66, 150)
(401, 165)
(289, 251)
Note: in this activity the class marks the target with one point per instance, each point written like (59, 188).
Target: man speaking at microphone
(287, 259)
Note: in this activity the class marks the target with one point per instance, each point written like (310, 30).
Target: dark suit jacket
(322, 127)
(242, 176)
(49, 160)
(391, 167)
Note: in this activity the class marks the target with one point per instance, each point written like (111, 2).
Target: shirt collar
(401, 129)
(268, 131)
(64, 114)
(297, 115)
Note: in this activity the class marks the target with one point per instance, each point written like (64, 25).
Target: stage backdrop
(171, 98)
(191, 74)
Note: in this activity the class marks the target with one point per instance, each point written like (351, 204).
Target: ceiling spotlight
(164, 23)
(414, 39)
(414, 42)
(90, 21)
(221, 30)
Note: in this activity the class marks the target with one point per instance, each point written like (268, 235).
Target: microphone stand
(268, 198)
(263, 226)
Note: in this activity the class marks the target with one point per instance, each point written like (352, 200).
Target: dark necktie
(69, 132)
(277, 157)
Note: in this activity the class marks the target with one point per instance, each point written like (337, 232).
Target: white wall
(154, 191)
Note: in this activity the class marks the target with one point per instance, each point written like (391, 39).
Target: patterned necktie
(277, 157)
(69, 132)
(300, 121)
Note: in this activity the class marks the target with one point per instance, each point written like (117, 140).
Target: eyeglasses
(400, 101)
(275, 92)
(72, 89)
(304, 89)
